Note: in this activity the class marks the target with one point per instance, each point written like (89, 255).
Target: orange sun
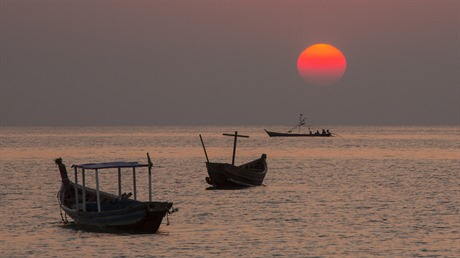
(321, 64)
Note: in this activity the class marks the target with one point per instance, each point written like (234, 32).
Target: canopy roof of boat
(117, 164)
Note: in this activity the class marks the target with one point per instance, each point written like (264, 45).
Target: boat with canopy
(92, 207)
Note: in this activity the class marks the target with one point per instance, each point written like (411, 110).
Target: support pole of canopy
(97, 191)
(83, 189)
(76, 187)
(150, 176)
(119, 183)
(134, 183)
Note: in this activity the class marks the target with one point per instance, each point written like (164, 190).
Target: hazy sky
(227, 62)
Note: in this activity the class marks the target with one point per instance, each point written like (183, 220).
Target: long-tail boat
(225, 175)
(290, 133)
(93, 208)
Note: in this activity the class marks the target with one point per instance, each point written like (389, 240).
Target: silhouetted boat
(323, 133)
(91, 208)
(224, 175)
(275, 134)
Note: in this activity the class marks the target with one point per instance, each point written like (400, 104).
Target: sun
(321, 64)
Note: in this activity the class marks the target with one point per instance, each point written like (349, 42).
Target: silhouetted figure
(317, 132)
(323, 132)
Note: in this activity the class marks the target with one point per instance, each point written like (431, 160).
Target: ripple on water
(369, 193)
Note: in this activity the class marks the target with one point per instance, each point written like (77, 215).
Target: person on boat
(323, 132)
(328, 133)
(317, 132)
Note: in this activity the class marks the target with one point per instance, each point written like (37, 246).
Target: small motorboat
(290, 133)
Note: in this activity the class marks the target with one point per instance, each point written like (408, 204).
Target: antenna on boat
(204, 148)
(234, 143)
(301, 122)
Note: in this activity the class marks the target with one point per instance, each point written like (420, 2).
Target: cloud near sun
(321, 64)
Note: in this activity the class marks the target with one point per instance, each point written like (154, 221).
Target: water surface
(370, 191)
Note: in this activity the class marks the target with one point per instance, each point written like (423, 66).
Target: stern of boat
(155, 212)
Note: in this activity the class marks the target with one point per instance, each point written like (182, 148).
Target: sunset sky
(226, 62)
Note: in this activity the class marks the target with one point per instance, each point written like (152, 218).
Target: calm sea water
(369, 192)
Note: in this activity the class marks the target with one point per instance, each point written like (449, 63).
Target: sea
(369, 191)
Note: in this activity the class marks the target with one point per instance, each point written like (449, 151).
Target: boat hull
(276, 134)
(125, 215)
(223, 175)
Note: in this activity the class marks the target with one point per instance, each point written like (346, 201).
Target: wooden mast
(204, 148)
(234, 143)
(150, 176)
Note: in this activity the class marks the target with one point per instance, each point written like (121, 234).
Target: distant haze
(226, 63)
